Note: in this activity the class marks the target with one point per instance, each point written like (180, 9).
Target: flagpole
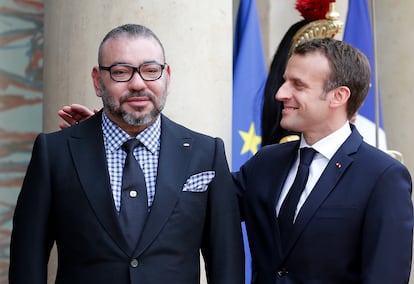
(376, 95)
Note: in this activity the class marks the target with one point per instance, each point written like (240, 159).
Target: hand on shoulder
(74, 114)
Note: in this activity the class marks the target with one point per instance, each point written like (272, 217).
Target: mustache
(139, 94)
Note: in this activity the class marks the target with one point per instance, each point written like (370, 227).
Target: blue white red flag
(358, 33)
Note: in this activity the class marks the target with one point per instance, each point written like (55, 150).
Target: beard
(136, 118)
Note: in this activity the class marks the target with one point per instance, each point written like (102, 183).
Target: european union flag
(249, 76)
(359, 34)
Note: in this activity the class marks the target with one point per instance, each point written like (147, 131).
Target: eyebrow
(145, 62)
(295, 80)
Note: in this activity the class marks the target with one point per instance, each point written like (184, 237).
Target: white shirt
(326, 148)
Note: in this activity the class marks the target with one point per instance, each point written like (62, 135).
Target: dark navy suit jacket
(66, 197)
(356, 226)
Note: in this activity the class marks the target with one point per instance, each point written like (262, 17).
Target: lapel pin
(338, 165)
(186, 144)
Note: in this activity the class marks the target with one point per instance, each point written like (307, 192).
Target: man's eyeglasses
(149, 71)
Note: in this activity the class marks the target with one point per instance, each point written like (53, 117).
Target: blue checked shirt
(147, 155)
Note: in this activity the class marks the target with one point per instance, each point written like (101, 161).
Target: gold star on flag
(251, 140)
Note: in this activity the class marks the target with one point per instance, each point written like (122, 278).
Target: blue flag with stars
(359, 34)
(249, 77)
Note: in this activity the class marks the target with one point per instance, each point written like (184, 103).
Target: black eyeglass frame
(134, 69)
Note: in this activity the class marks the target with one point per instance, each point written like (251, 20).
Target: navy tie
(288, 208)
(134, 201)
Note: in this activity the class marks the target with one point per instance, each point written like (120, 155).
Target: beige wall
(395, 69)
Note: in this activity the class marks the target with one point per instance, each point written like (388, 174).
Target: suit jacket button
(282, 272)
(134, 263)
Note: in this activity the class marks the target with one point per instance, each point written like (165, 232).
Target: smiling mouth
(290, 108)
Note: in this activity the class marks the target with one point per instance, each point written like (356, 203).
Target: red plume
(313, 9)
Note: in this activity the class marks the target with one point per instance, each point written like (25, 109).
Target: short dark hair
(349, 67)
(131, 30)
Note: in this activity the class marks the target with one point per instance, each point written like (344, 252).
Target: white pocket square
(199, 182)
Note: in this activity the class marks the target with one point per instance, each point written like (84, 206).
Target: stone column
(197, 36)
(395, 69)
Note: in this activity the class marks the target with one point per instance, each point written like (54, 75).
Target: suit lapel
(174, 158)
(331, 175)
(89, 156)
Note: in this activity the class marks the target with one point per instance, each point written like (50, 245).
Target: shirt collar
(328, 145)
(115, 136)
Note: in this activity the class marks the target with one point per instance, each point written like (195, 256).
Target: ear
(168, 71)
(340, 97)
(167, 75)
(96, 81)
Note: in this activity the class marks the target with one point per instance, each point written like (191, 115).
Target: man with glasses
(180, 197)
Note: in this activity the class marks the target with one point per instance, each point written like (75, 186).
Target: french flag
(358, 33)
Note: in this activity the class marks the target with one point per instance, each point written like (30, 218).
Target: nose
(136, 82)
(282, 94)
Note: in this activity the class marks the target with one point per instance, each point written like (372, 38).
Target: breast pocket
(199, 182)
